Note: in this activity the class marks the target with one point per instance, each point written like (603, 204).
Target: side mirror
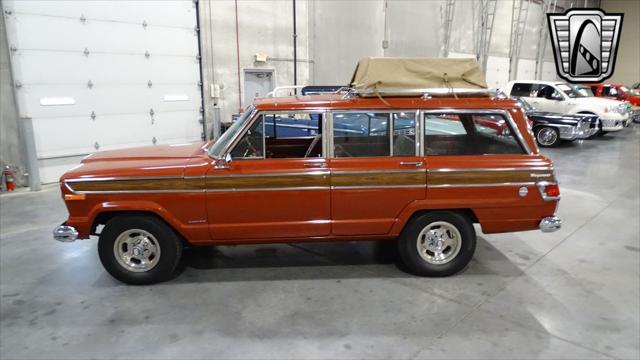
(555, 96)
(223, 163)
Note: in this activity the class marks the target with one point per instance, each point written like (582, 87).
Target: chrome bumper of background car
(612, 125)
(550, 224)
(575, 132)
(65, 233)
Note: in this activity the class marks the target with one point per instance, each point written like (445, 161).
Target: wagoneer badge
(534, 175)
(585, 43)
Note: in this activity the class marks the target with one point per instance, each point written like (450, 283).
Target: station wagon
(334, 167)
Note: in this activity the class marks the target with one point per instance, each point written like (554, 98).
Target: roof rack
(425, 93)
(350, 92)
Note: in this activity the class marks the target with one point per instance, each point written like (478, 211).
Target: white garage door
(104, 75)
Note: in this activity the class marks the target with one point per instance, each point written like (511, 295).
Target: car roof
(340, 102)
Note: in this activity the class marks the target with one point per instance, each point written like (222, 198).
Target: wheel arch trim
(102, 212)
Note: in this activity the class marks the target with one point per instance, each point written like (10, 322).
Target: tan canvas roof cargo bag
(406, 76)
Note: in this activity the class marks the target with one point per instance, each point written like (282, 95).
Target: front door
(277, 184)
(375, 172)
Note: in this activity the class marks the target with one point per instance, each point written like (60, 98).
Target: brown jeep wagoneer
(388, 160)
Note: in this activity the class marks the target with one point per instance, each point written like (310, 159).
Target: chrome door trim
(356, 172)
(419, 135)
(505, 113)
(284, 188)
(534, 168)
(123, 178)
(389, 132)
(482, 185)
(329, 126)
(138, 191)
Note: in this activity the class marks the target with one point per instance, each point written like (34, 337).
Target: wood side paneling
(379, 179)
(488, 177)
(316, 180)
(266, 182)
(173, 184)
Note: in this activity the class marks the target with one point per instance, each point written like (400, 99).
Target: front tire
(437, 244)
(139, 249)
(547, 136)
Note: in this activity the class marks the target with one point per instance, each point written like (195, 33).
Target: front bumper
(550, 224)
(582, 131)
(616, 124)
(65, 233)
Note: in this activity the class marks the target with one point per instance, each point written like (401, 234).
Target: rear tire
(436, 244)
(139, 249)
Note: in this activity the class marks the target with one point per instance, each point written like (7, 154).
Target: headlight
(622, 109)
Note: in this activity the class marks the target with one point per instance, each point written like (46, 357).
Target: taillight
(552, 190)
(549, 190)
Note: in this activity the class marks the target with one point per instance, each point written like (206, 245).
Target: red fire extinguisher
(9, 180)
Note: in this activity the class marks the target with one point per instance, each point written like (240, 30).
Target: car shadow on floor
(363, 259)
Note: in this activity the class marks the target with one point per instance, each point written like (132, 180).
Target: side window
(282, 125)
(521, 89)
(286, 135)
(404, 134)
(443, 125)
(361, 134)
(609, 91)
(547, 92)
(469, 134)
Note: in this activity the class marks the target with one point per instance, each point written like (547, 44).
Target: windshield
(570, 91)
(624, 89)
(228, 135)
(584, 90)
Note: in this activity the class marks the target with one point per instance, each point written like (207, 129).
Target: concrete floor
(571, 294)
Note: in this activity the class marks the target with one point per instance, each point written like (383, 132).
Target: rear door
(375, 169)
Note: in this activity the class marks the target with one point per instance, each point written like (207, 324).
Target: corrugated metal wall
(98, 75)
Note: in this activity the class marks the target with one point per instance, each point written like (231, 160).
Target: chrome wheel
(547, 136)
(439, 242)
(137, 250)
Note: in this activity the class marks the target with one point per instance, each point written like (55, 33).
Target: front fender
(84, 225)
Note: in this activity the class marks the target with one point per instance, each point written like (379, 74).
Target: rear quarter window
(469, 134)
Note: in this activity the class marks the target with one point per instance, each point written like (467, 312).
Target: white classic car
(563, 98)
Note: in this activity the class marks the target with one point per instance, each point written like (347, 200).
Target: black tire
(408, 244)
(555, 139)
(168, 241)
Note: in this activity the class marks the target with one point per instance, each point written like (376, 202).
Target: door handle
(315, 165)
(411, 163)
